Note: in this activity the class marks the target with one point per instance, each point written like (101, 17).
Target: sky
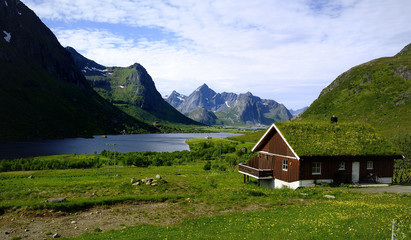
(287, 51)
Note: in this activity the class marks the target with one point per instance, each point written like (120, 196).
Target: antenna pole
(115, 170)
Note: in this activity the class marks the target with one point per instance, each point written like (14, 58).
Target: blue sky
(282, 50)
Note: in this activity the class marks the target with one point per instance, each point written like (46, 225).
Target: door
(355, 172)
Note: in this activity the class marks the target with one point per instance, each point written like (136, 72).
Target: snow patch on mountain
(7, 37)
(94, 69)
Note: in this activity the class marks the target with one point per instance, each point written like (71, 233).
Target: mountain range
(42, 93)
(207, 106)
(47, 91)
(377, 92)
(131, 89)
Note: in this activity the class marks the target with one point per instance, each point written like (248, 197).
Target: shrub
(207, 166)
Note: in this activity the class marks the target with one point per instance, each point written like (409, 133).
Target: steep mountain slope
(131, 89)
(87, 66)
(42, 93)
(207, 106)
(377, 92)
(175, 99)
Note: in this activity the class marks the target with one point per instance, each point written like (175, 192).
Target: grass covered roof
(337, 139)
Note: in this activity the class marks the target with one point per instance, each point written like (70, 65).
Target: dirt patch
(36, 225)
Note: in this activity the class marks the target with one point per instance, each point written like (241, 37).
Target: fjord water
(169, 142)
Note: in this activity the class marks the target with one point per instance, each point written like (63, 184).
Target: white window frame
(316, 166)
(370, 165)
(285, 165)
(341, 166)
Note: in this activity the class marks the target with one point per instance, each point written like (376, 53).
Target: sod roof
(337, 139)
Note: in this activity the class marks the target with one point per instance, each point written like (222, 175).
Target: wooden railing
(258, 173)
(253, 162)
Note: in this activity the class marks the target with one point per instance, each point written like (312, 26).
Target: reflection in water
(124, 143)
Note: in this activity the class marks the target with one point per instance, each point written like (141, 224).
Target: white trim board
(277, 155)
(255, 176)
(281, 135)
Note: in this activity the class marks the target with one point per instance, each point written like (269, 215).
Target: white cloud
(282, 47)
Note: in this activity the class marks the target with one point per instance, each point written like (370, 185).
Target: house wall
(292, 173)
(266, 161)
(277, 145)
(383, 167)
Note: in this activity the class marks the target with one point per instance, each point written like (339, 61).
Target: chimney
(334, 119)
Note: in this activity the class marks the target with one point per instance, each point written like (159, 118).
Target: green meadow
(199, 203)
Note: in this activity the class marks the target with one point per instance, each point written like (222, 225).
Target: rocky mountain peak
(229, 108)
(134, 90)
(205, 90)
(175, 99)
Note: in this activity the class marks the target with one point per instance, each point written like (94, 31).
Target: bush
(207, 166)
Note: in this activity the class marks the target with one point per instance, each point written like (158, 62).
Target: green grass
(236, 210)
(250, 137)
(211, 204)
(365, 218)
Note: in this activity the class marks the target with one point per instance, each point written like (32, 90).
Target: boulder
(55, 200)
(329, 196)
(154, 184)
(136, 183)
(158, 176)
(134, 180)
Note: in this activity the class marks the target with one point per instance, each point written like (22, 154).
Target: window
(370, 165)
(285, 165)
(341, 166)
(316, 168)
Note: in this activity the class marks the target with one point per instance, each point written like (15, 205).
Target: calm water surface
(124, 143)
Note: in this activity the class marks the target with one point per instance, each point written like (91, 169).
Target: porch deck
(255, 172)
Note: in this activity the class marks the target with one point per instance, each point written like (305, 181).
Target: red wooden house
(298, 154)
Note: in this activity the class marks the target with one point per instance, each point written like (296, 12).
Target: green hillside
(34, 105)
(133, 91)
(377, 92)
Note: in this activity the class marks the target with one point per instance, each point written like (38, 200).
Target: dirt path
(388, 189)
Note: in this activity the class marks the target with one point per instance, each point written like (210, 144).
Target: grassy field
(202, 205)
(189, 202)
